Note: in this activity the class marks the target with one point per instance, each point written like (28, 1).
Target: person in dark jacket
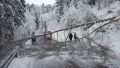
(75, 37)
(33, 37)
(70, 36)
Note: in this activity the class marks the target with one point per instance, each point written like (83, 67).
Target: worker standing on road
(75, 37)
(70, 36)
(33, 37)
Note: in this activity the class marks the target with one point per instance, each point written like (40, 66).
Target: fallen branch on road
(112, 18)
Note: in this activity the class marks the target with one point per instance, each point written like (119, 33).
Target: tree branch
(112, 18)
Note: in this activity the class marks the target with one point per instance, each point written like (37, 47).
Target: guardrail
(6, 61)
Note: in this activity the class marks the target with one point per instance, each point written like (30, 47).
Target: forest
(95, 23)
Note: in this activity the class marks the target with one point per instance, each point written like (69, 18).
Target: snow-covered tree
(37, 17)
(81, 14)
(11, 16)
(60, 8)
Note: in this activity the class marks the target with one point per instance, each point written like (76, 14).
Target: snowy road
(31, 57)
(48, 62)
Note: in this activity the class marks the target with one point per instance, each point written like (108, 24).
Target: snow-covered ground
(62, 61)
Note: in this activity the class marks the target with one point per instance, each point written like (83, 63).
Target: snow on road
(49, 62)
(22, 63)
(54, 61)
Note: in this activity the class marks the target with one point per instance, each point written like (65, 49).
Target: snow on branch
(111, 20)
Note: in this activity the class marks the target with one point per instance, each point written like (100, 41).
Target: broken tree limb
(111, 21)
(102, 26)
(112, 18)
